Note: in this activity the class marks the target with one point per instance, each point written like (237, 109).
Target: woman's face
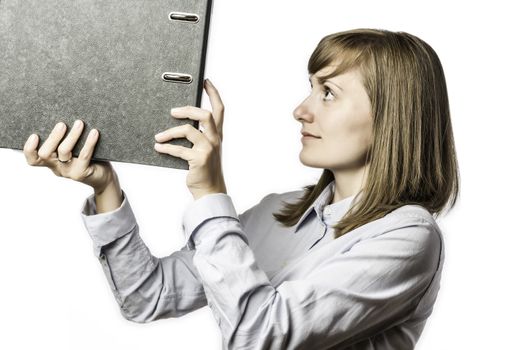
(338, 113)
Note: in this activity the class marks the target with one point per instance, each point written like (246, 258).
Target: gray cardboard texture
(101, 61)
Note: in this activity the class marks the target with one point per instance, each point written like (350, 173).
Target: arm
(374, 285)
(146, 288)
(109, 197)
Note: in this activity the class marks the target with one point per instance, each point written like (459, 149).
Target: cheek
(352, 140)
(363, 134)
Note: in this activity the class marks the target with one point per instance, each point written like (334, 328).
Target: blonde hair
(412, 158)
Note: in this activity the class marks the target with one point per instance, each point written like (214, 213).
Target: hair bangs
(333, 50)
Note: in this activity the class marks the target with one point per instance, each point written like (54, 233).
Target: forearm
(352, 293)
(110, 197)
(146, 288)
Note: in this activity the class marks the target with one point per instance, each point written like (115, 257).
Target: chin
(311, 161)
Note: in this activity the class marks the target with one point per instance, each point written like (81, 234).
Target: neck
(348, 182)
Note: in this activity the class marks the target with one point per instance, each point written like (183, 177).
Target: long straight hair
(412, 158)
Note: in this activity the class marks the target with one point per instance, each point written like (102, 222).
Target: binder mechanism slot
(183, 16)
(177, 78)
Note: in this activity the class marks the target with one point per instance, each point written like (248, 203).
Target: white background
(54, 294)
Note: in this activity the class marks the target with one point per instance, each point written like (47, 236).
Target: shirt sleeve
(372, 286)
(145, 287)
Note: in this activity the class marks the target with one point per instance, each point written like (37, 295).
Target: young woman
(351, 262)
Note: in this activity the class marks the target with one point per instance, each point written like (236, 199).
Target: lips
(304, 133)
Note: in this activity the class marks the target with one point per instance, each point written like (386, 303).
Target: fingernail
(32, 138)
(76, 124)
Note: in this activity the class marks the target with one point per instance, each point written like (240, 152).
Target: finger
(186, 130)
(216, 104)
(66, 147)
(51, 143)
(204, 117)
(86, 153)
(174, 150)
(30, 151)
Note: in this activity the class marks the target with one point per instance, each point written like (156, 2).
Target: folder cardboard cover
(105, 62)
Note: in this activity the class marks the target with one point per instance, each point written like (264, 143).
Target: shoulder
(416, 227)
(276, 198)
(414, 211)
(409, 230)
(413, 215)
(269, 204)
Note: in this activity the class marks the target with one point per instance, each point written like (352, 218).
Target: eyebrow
(322, 81)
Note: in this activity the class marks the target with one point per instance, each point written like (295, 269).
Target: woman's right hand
(97, 174)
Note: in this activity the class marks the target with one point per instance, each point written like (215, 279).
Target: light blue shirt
(276, 287)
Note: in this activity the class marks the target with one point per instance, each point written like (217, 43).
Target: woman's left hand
(204, 158)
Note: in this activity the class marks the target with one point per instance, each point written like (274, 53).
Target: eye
(326, 91)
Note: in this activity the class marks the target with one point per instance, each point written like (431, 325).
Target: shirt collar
(338, 209)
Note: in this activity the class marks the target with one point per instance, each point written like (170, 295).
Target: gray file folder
(120, 66)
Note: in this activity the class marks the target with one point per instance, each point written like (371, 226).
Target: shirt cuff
(106, 227)
(207, 207)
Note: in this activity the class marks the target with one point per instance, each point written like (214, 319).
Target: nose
(302, 111)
